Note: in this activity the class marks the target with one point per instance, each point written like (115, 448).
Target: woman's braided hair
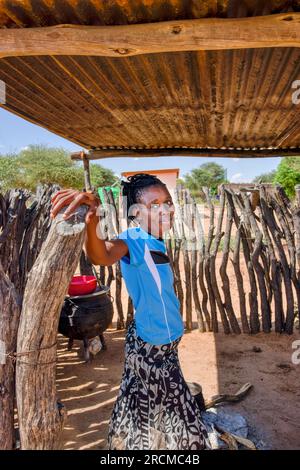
(134, 187)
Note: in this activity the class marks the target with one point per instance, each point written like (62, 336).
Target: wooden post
(10, 313)
(223, 270)
(86, 169)
(207, 262)
(212, 266)
(40, 419)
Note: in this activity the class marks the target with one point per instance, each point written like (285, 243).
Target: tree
(265, 177)
(9, 173)
(180, 182)
(39, 164)
(101, 176)
(208, 174)
(288, 174)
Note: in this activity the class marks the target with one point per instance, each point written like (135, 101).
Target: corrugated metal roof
(202, 99)
(29, 13)
(207, 99)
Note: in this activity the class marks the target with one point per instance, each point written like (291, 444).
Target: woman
(154, 408)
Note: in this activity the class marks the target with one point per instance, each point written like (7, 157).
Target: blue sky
(16, 133)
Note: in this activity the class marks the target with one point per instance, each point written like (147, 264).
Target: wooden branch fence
(236, 264)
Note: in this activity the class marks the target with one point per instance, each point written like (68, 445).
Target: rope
(13, 355)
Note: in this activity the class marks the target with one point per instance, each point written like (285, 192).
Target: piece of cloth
(154, 408)
(149, 281)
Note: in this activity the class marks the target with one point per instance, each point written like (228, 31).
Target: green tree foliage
(39, 164)
(288, 174)
(265, 177)
(208, 174)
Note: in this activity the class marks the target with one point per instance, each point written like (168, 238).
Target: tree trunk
(40, 417)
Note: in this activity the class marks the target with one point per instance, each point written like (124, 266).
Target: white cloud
(136, 158)
(236, 159)
(239, 178)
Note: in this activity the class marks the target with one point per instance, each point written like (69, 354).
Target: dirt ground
(220, 363)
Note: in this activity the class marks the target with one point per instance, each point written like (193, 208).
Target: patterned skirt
(154, 408)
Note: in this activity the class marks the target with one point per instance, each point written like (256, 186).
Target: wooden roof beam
(282, 30)
(188, 152)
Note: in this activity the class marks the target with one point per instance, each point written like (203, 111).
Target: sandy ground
(221, 364)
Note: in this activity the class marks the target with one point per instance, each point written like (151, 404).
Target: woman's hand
(74, 198)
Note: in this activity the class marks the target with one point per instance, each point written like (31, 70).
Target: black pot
(86, 316)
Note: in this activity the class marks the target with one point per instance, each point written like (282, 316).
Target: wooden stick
(195, 293)
(87, 176)
(130, 312)
(245, 235)
(292, 253)
(296, 219)
(114, 229)
(257, 248)
(277, 235)
(280, 30)
(177, 230)
(183, 221)
(207, 272)
(214, 282)
(85, 265)
(275, 265)
(200, 233)
(224, 276)
(9, 322)
(240, 282)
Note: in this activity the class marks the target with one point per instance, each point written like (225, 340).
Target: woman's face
(156, 210)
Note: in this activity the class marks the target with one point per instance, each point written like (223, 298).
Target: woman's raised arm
(99, 252)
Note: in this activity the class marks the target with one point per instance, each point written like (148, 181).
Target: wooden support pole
(40, 418)
(86, 169)
(281, 30)
(114, 152)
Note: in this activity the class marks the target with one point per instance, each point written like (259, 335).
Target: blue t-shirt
(149, 281)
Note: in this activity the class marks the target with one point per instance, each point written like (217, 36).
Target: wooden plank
(280, 30)
(188, 152)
